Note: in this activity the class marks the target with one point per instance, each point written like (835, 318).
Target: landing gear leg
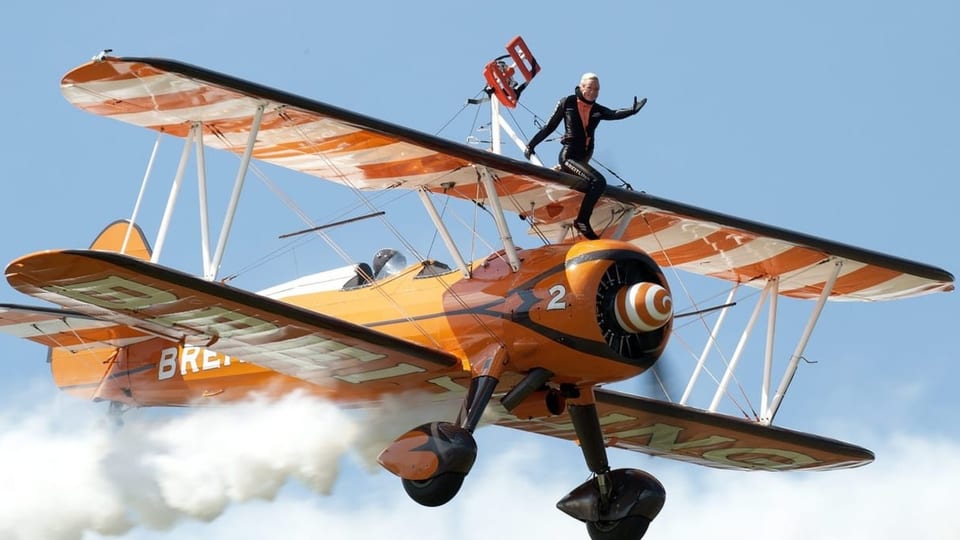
(433, 459)
(615, 504)
(481, 390)
(115, 413)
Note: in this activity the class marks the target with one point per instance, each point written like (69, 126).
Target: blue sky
(834, 119)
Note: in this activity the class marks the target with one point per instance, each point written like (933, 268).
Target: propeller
(668, 378)
(635, 310)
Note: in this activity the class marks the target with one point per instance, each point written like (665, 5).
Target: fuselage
(552, 313)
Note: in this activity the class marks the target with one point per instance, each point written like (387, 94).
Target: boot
(584, 228)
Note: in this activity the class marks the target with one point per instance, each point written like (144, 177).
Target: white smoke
(907, 493)
(67, 471)
(65, 474)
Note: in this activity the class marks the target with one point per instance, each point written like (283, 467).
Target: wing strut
(728, 374)
(768, 407)
(625, 220)
(202, 199)
(768, 353)
(509, 249)
(767, 418)
(444, 232)
(711, 342)
(174, 192)
(143, 189)
(211, 265)
(235, 196)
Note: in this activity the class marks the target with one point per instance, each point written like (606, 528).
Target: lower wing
(69, 330)
(692, 435)
(119, 291)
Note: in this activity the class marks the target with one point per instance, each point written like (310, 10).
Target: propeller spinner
(643, 307)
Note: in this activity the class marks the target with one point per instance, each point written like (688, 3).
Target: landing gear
(432, 460)
(115, 413)
(615, 504)
(434, 491)
(628, 527)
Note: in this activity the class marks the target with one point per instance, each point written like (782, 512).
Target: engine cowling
(590, 312)
(634, 307)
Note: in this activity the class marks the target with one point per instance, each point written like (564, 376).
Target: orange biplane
(525, 336)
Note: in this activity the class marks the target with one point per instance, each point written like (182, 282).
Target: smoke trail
(64, 473)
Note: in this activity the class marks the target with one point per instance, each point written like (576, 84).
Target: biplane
(525, 338)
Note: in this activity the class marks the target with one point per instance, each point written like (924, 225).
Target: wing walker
(523, 337)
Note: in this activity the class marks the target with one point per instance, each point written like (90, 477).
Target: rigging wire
(693, 354)
(752, 293)
(626, 184)
(337, 249)
(296, 243)
(520, 210)
(693, 302)
(403, 240)
(452, 118)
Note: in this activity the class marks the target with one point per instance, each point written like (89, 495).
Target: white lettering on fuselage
(190, 360)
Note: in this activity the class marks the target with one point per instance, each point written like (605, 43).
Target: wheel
(628, 528)
(436, 491)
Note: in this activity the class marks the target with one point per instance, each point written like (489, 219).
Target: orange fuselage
(553, 313)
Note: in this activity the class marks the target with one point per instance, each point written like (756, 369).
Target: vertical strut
(444, 232)
(768, 357)
(172, 199)
(711, 342)
(798, 352)
(628, 216)
(202, 199)
(143, 189)
(235, 196)
(495, 125)
(728, 374)
(509, 248)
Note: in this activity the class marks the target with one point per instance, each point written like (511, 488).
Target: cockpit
(387, 263)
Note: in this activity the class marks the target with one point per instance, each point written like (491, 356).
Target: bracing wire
(403, 240)
(694, 303)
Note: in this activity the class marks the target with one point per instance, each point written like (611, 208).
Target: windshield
(388, 262)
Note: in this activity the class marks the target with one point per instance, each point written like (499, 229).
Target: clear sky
(837, 119)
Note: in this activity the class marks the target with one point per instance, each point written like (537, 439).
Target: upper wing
(714, 440)
(126, 291)
(366, 153)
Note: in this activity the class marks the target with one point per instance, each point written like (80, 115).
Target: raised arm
(610, 114)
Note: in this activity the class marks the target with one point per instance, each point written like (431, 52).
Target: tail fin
(114, 235)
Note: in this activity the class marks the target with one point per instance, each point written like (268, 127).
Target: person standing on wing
(581, 114)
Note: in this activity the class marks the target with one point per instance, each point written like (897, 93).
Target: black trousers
(594, 181)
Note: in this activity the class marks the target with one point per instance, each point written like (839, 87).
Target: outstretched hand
(527, 152)
(637, 105)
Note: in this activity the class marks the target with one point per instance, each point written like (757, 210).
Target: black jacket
(577, 138)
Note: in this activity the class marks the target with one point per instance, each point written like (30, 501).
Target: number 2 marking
(557, 292)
